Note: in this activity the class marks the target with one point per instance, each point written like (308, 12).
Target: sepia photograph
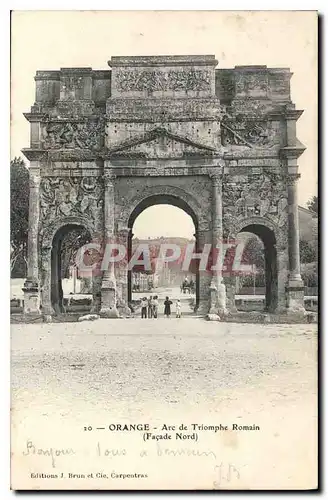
(164, 250)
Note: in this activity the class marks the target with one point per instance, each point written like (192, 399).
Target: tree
(253, 252)
(309, 274)
(70, 245)
(312, 204)
(19, 202)
(307, 252)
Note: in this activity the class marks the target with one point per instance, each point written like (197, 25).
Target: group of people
(149, 307)
(187, 286)
(136, 287)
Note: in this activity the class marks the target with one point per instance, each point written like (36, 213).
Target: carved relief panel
(155, 80)
(69, 197)
(71, 135)
(241, 130)
(263, 195)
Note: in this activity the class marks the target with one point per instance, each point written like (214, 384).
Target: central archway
(151, 201)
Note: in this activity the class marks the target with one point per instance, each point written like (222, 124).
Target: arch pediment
(160, 143)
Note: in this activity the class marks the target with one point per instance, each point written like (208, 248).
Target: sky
(172, 220)
(49, 40)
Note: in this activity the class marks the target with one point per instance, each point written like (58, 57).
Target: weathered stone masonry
(219, 143)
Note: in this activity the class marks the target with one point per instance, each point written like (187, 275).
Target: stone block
(89, 317)
(212, 317)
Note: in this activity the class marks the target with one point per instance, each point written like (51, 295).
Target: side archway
(52, 259)
(266, 231)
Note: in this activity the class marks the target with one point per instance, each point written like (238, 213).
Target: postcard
(164, 250)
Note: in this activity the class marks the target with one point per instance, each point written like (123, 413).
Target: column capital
(123, 232)
(292, 179)
(216, 179)
(109, 177)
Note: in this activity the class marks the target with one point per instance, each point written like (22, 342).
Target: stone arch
(50, 231)
(51, 288)
(189, 202)
(267, 231)
(256, 220)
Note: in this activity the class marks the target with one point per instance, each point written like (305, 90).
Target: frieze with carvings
(263, 196)
(248, 83)
(152, 81)
(71, 196)
(70, 84)
(241, 131)
(74, 135)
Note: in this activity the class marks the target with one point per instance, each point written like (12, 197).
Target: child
(155, 306)
(144, 304)
(178, 308)
(150, 307)
(167, 307)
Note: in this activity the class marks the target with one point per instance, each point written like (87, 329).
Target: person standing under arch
(150, 307)
(144, 305)
(155, 306)
(167, 307)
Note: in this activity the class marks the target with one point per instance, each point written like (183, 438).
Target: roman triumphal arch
(219, 143)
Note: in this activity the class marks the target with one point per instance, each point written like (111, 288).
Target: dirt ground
(68, 377)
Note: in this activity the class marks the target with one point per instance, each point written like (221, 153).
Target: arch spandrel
(52, 229)
(64, 200)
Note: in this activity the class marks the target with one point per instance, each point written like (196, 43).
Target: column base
(110, 312)
(295, 296)
(96, 294)
(108, 303)
(96, 306)
(31, 298)
(230, 296)
(124, 310)
(222, 300)
(218, 300)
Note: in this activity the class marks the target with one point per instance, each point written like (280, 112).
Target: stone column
(129, 274)
(218, 291)
(31, 286)
(45, 282)
(295, 287)
(122, 275)
(230, 284)
(203, 279)
(96, 292)
(108, 287)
